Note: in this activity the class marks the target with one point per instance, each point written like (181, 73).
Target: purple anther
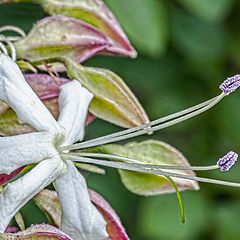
(227, 161)
(230, 84)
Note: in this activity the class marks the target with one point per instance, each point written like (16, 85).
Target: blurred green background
(186, 48)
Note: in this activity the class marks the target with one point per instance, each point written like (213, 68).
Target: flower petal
(15, 91)
(18, 151)
(80, 219)
(16, 194)
(74, 101)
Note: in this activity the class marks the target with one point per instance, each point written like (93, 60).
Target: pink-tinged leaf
(114, 226)
(5, 178)
(58, 36)
(96, 13)
(38, 232)
(44, 85)
(48, 201)
(11, 229)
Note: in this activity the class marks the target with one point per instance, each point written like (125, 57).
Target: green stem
(179, 198)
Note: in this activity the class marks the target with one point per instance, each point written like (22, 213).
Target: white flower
(80, 219)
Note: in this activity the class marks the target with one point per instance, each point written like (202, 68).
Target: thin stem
(140, 168)
(155, 166)
(145, 130)
(179, 198)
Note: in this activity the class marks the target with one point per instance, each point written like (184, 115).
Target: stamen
(148, 125)
(145, 165)
(140, 168)
(230, 84)
(160, 124)
(227, 161)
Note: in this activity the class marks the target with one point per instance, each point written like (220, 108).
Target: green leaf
(146, 23)
(113, 100)
(212, 11)
(151, 152)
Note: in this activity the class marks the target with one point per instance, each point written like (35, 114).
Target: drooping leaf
(150, 152)
(146, 23)
(48, 201)
(61, 36)
(113, 100)
(38, 232)
(213, 11)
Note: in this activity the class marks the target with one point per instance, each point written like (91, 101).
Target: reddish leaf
(4, 177)
(114, 226)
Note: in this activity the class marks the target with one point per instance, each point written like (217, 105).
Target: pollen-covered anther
(227, 161)
(230, 84)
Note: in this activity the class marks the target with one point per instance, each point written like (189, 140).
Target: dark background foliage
(186, 48)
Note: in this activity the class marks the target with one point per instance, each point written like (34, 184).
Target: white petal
(15, 91)
(74, 101)
(16, 194)
(80, 219)
(18, 151)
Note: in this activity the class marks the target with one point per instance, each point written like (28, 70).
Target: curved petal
(15, 91)
(18, 151)
(16, 194)
(74, 101)
(80, 219)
